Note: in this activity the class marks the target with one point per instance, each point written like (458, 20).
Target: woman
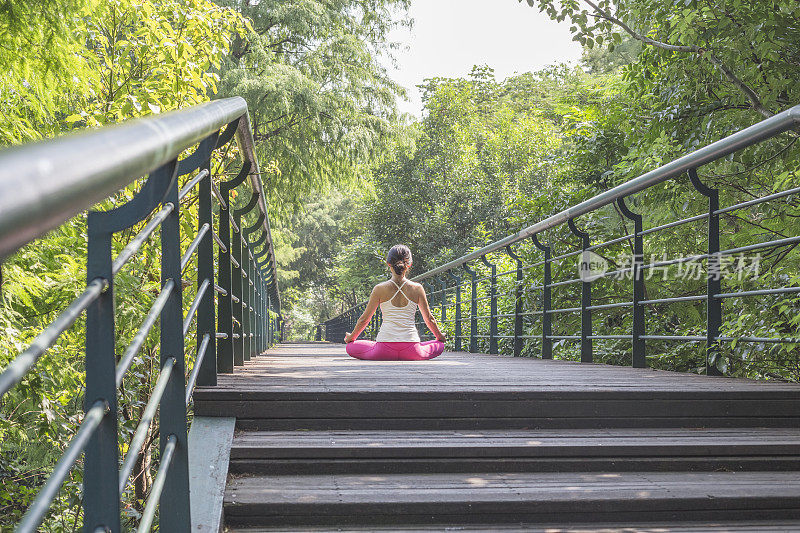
(398, 298)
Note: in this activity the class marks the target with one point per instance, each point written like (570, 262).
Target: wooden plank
(488, 408)
(210, 442)
(474, 438)
(501, 443)
(625, 463)
(539, 497)
(507, 423)
(302, 369)
(767, 526)
(254, 391)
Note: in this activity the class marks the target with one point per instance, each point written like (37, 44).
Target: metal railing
(235, 310)
(483, 310)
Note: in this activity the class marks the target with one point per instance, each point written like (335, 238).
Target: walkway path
(326, 440)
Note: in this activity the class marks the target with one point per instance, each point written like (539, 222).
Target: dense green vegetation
(347, 178)
(491, 156)
(70, 64)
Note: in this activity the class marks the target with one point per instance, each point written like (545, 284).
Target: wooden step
(511, 498)
(330, 452)
(317, 387)
(765, 526)
(491, 443)
(502, 410)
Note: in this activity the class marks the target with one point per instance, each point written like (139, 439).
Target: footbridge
(549, 412)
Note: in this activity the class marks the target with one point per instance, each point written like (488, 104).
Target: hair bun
(399, 257)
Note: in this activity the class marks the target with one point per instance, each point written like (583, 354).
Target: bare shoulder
(416, 288)
(381, 288)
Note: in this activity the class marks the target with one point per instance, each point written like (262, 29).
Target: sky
(450, 36)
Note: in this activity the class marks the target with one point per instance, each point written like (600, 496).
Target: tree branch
(751, 95)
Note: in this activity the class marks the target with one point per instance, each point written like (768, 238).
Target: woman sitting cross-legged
(399, 299)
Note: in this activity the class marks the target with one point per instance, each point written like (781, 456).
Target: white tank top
(398, 322)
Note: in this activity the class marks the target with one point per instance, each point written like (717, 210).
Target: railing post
(586, 298)
(206, 313)
(493, 349)
(253, 277)
(251, 304)
(225, 357)
(245, 296)
(101, 478)
(270, 311)
(236, 286)
(241, 288)
(421, 323)
(639, 358)
(267, 302)
(457, 318)
(714, 277)
(261, 314)
(260, 290)
(443, 302)
(547, 317)
(517, 303)
(473, 310)
(174, 502)
(271, 325)
(101, 473)
(256, 308)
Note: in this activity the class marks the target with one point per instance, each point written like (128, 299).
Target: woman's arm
(365, 317)
(427, 316)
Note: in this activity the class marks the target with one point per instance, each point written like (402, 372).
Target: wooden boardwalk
(491, 442)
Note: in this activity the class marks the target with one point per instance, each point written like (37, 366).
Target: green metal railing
(235, 311)
(485, 310)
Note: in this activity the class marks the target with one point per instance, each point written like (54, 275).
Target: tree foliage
(697, 56)
(36, 84)
(659, 80)
(89, 63)
(321, 103)
(134, 59)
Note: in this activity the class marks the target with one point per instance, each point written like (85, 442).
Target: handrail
(483, 287)
(45, 183)
(53, 180)
(756, 133)
(244, 136)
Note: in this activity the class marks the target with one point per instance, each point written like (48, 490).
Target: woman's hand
(440, 337)
(348, 338)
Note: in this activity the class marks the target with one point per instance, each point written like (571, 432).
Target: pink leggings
(394, 351)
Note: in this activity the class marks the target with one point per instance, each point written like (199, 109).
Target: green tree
(697, 56)
(153, 56)
(42, 65)
(322, 106)
(476, 151)
(143, 58)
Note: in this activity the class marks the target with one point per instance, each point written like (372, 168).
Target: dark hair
(399, 257)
